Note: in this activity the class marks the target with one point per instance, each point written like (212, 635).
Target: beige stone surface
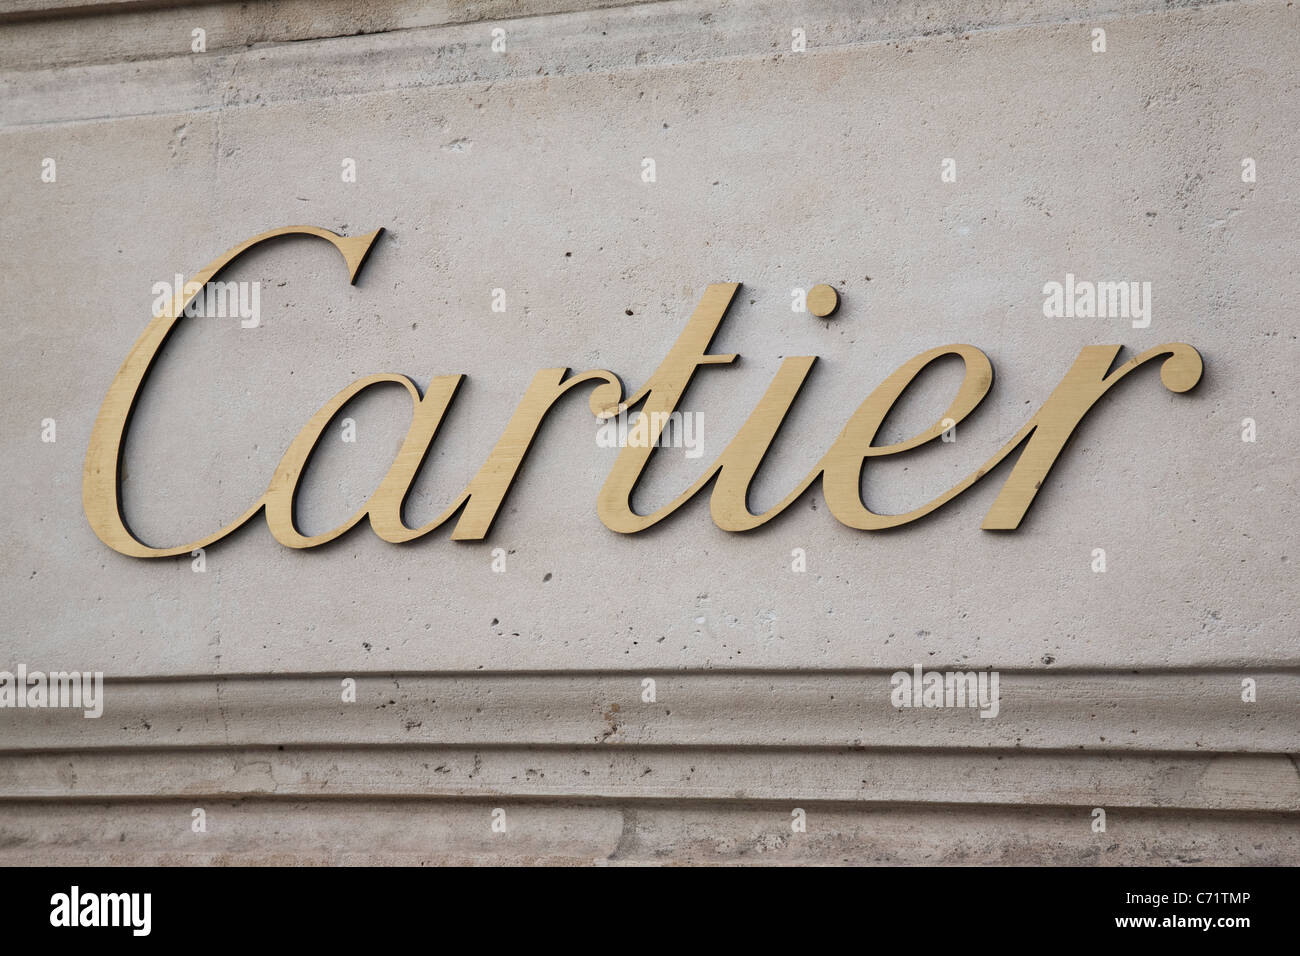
(522, 171)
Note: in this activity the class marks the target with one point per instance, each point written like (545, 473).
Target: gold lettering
(281, 495)
(100, 494)
(483, 497)
(1043, 437)
(842, 466)
(388, 502)
(1050, 429)
(738, 463)
(661, 393)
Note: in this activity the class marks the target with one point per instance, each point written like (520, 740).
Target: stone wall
(523, 170)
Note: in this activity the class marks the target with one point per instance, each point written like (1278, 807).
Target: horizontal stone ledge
(414, 832)
(51, 33)
(142, 64)
(1197, 782)
(1157, 712)
(431, 11)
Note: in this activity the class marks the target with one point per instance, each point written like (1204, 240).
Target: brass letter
(661, 394)
(1050, 428)
(283, 489)
(483, 497)
(99, 486)
(1055, 422)
(842, 465)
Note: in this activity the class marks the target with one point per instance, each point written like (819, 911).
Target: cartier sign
(1043, 437)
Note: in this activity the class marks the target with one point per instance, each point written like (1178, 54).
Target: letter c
(99, 486)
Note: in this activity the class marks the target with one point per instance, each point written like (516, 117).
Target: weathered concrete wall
(522, 171)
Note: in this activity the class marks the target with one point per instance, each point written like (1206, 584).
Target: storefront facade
(490, 624)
